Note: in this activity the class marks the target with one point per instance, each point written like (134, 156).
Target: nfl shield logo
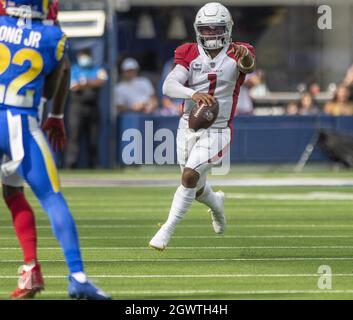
(212, 64)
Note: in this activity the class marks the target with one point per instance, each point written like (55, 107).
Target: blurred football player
(214, 67)
(33, 61)
(13, 191)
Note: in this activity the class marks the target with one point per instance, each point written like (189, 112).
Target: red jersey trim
(186, 53)
(236, 91)
(219, 155)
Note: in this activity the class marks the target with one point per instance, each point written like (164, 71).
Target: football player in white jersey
(213, 68)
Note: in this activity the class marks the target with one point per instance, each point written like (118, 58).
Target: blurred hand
(348, 80)
(239, 51)
(205, 98)
(138, 107)
(76, 87)
(56, 133)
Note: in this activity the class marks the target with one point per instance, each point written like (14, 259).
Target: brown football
(203, 116)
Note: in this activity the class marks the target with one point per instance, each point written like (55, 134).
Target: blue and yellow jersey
(27, 56)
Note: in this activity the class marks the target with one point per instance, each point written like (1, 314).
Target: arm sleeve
(174, 84)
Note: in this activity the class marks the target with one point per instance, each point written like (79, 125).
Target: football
(203, 116)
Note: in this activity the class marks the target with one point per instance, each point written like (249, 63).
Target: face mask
(85, 61)
(214, 44)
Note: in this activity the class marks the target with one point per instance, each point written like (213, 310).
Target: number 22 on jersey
(9, 94)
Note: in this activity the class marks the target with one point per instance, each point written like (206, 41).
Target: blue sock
(64, 229)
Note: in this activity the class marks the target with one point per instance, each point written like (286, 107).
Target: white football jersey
(219, 77)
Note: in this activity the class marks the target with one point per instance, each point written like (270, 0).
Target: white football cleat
(218, 218)
(160, 240)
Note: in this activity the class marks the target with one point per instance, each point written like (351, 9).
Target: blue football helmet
(39, 8)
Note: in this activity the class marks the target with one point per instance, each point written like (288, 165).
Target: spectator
(253, 87)
(340, 106)
(170, 106)
(292, 109)
(134, 93)
(348, 81)
(258, 84)
(245, 104)
(307, 106)
(83, 119)
(314, 89)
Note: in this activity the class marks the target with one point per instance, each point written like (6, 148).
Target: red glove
(55, 127)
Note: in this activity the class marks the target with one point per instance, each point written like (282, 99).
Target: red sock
(24, 223)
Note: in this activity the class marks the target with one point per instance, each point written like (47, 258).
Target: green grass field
(277, 238)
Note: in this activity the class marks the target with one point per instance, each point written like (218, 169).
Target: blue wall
(256, 139)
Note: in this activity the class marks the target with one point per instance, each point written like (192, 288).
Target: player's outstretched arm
(247, 62)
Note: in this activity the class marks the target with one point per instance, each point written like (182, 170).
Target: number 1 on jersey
(212, 77)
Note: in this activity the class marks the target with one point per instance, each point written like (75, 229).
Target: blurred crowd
(136, 92)
(340, 105)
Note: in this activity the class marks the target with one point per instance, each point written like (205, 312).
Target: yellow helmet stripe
(50, 166)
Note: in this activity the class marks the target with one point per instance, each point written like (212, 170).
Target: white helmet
(213, 16)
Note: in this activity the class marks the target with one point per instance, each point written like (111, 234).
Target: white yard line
(194, 292)
(235, 225)
(95, 182)
(312, 196)
(266, 182)
(162, 276)
(195, 248)
(186, 260)
(197, 237)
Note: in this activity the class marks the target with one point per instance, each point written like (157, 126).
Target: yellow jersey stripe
(61, 48)
(49, 161)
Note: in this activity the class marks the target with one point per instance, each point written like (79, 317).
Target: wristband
(247, 68)
(56, 116)
(241, 65)
(43, 100)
